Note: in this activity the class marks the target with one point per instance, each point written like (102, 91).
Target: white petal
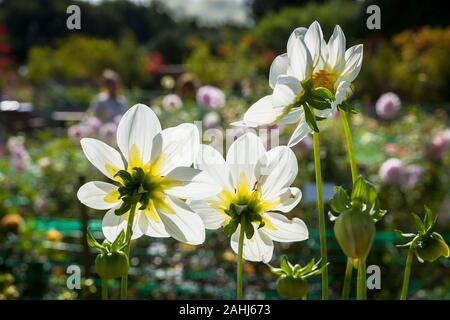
(211, 161)
(342, 92)
(138, 126)
(289, 198)
(151, 227)
(294, 116)
(212, 218)
(286, 91)
(300, 61)
(336, 48)
(178, 146)
(101, 155)
(298, 33)
(244, 124)
(279, 67)
(285, 230)
(299, 133)
(353, 62)
(279, 172)
(243, 156)
(326, 113)
(258, 248)
(112, 225)
(92, 194)
(313, 41)
(263, 112)
(192, 184)
(184, 225)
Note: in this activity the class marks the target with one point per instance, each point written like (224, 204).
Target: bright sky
(208, 12)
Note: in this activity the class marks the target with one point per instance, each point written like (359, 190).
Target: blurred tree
(80, 58)
(43, 22)
(274, 29)
(259, 8)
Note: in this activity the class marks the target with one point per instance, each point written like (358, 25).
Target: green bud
(292, 288)
(355, 231)
(111, 265)
(432, 248)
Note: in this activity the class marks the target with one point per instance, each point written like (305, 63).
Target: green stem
(124, 280)
(407, 273)
(361, 285)
(104, 289)
(323, 244)
(239, 261)
(347, 280)
(354, 171)
(350, 148)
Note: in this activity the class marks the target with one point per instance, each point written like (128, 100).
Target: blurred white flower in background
(171, 102)
(211, 120)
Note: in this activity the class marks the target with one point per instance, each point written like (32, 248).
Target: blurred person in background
(186, 86)
(108, 105)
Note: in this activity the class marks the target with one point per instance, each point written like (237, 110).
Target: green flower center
(244, 206)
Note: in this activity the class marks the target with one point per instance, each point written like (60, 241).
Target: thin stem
(407, 274)
(350, 148)
(361, 285)
(354, 171)
(347, 280)
(239, 292)
(124, 281)
(323, 244)
(104, 289)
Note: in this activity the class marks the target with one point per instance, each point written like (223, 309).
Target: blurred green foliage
(80, 58)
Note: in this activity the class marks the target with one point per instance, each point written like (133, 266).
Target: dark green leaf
(118, 241)
(230, 228)
(359, 190)
(419, 224)
(249, 229)
(340, 201)
(310, 119)
(92, 243)
(285, 265)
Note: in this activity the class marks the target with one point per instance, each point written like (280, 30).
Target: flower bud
(111, 265)
(292, 288)
(355, 231)
(432, 248)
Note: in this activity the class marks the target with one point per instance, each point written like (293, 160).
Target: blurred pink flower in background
(392, 171)
(440, 144)
(79, 131)
(388, 106)
(210, 97)
(171, 102)
(20, 159)
(93, 123)
(413, 173)
(391, 148)
(107, 133)
(211, 120)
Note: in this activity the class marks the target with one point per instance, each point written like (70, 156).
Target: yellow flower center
(244, 195)
(324, 79)
(143, 183)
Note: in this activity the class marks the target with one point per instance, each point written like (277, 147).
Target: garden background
(49, 75)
